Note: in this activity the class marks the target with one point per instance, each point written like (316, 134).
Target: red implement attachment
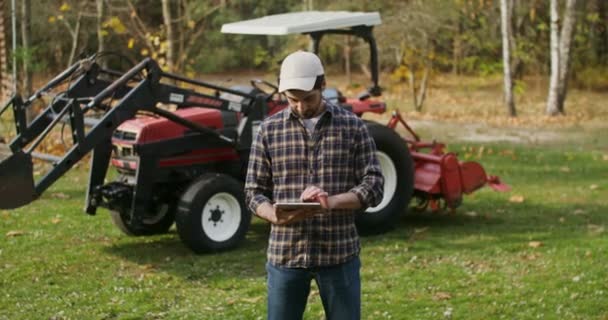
(439, 175)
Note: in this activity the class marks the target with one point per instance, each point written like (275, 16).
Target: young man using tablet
(312, 151)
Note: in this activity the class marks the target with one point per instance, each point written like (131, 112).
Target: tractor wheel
(212, 215)
(158, 223)
(398, 169)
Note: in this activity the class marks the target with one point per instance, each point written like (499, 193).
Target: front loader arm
(17, 185)
(87, 92)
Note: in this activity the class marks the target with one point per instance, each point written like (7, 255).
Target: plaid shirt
(338, 158)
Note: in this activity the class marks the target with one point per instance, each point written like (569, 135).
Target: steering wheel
(256, 84)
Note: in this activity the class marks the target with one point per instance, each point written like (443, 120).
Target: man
(312, 151)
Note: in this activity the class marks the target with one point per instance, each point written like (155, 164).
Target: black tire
(159, 223)
(212, 201)
(398, 168)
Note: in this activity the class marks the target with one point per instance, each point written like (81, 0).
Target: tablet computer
(298, 205)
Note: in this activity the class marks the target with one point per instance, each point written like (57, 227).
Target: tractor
(180, 146)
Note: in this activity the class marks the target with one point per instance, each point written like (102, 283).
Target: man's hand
(315, 194)
(347, 200)
(270, 213)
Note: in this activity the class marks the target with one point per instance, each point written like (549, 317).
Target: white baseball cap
(299, 71)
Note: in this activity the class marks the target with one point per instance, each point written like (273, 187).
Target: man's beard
(311, 113)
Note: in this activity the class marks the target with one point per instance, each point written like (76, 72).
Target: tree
(101, 45)
(25, 44)
(560, 56)
(412, 33)
(506, 14)
(170, 37)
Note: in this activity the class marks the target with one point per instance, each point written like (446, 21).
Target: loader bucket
(16, 179)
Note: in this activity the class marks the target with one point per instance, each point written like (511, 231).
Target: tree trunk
(26, 30)
(4, 75)
(552, 99)
(560, 56)
(347, 54)
(564, 52)
(170, 37)
(101, 46)
(457, 48)
(506, 29)
(423, 86)
(412, 81)
(75, 38)
(602, 46)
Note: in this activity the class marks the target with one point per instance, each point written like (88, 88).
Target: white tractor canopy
(302, 22)
(317, 24)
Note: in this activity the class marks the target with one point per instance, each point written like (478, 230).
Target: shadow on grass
(169, 254)
(510, 230)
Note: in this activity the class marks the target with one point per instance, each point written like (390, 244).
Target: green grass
(480, 263)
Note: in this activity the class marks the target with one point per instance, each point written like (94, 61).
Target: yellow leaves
(144, 52)
(439, 296)
(595, 229)
(131, 43)
(535, 244)
(115, 24)
(14, 233)
(564, 169)
(60, 195)
(65, 7)
(191, 24)
(593, 186)
(605, 157)
(578, 212)
(52, 19)
(516, 198)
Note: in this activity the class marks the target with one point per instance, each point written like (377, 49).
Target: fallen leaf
(564, 169)
(471, 214)
(516, 199)
(595, 229)
(562, 220)
(593, 186)
(576, 279)
(253, 299)
(15, 233)
(605, 157)
(60, 195)
(578, 212)
(421, 230)
(55, 220)
(442, 296)
(535, 244)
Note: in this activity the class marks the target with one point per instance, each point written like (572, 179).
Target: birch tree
(560, 56)
(170, 36)
(100, 12)
(506, 14)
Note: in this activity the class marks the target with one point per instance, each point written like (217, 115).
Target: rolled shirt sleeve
(258, 183)
(370, 185)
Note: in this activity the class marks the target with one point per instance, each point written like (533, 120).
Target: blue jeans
(339, 287)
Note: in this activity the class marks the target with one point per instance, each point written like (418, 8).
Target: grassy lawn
(539, 251)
